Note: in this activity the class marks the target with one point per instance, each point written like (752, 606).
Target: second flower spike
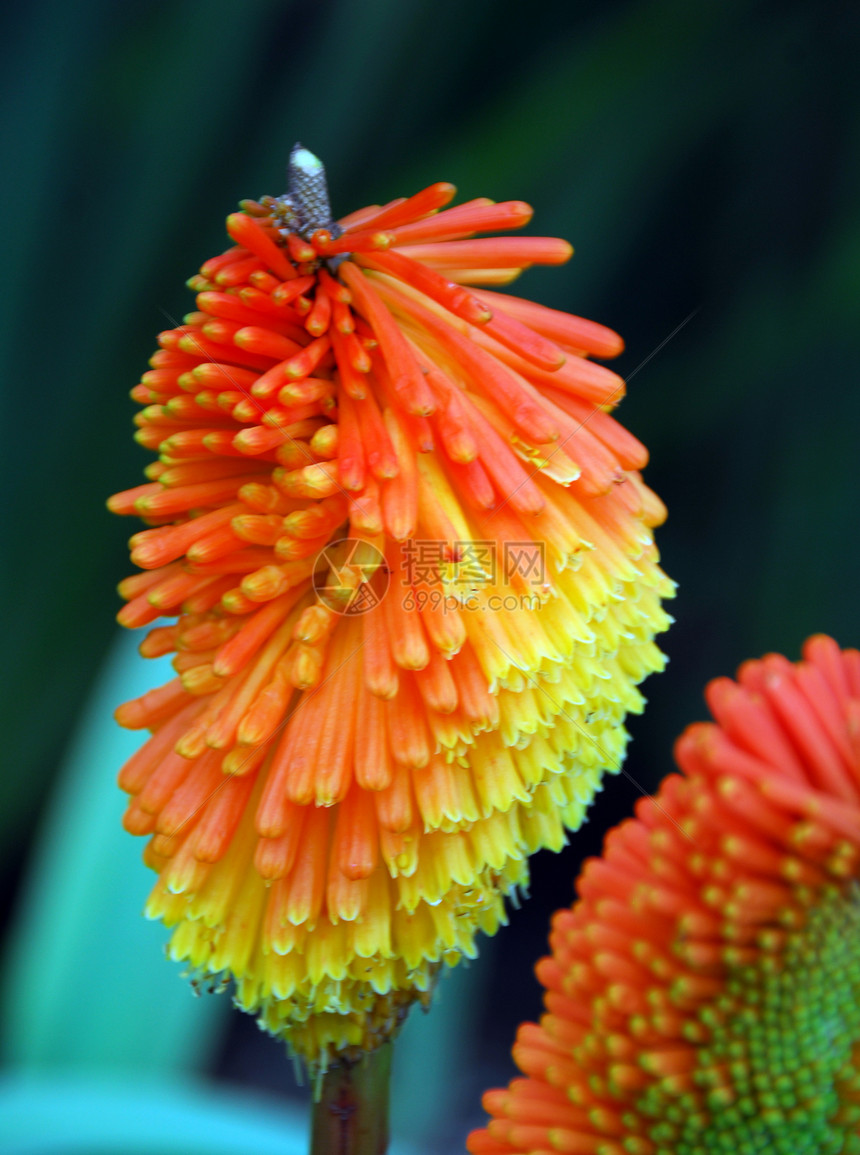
(702, 992)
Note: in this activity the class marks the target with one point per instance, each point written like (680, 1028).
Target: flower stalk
(350, 1117)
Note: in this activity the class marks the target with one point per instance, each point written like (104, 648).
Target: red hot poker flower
(409, 559)
(703, 993)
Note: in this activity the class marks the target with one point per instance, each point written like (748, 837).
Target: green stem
(351, 1115)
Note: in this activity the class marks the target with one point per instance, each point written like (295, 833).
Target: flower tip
(303, 160)
(236, 223)
(130, 716)
(546, 251)
(821, 648)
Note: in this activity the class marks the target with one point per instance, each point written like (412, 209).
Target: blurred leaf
(85, 982)
(75, 1115)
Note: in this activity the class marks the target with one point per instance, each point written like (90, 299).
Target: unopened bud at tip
(304, 160)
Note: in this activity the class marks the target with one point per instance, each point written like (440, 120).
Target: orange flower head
(703, 993)
(408, 559)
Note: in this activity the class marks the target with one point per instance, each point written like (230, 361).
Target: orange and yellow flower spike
(406, 555)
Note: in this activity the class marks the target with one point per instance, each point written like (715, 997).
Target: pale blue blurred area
(71, 1114)
(86, 982)
(105, 1047)
(432, 1057)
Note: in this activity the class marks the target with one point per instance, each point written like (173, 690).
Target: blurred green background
(704, 159)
